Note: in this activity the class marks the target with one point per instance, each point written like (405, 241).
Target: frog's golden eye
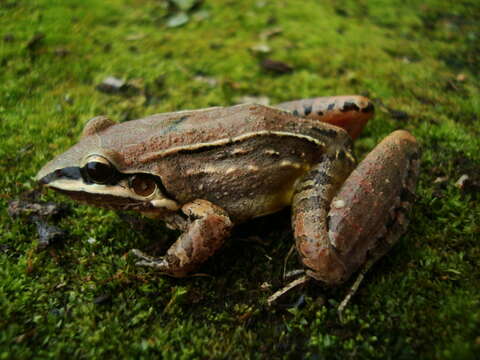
(99, 169)
(143, 185)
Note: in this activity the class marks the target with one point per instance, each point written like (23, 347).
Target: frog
(205, 171)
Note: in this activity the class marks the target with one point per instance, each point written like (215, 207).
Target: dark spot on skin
(321, 178)
(314, 201)
(331, 106)
(192, 217)
(174, 124)
(306, 186)
(369, 108)
(331, 157)
(295, 112)
(349, 106)
(188, 250)
(329, 133)
(312, 174)
(307, 109)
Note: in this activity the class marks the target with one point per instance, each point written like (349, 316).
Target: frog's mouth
(123, 192)
(108, 201)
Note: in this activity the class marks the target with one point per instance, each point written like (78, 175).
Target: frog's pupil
(99, 172)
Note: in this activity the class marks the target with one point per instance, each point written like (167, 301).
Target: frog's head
(98, 170)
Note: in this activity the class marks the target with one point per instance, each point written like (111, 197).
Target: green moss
(88, 300)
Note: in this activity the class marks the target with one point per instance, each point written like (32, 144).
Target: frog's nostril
(43, 181)
(369, 108)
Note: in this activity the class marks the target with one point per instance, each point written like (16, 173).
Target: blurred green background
(84, 298)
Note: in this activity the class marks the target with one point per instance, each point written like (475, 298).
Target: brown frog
(204, 171)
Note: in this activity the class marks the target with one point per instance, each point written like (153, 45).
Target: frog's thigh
(350, 112)
(367, 215)
(207, 228)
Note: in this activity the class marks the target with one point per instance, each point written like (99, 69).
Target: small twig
(300, 281)
(353, 289)
(290, 252)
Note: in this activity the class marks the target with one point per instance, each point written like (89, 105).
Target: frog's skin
(205, 171)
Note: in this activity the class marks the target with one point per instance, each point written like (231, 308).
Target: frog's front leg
(205, 228)
(341, 225)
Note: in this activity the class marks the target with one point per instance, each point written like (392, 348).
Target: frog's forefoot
(206, 228)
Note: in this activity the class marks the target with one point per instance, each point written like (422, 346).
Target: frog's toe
(141, 255)
(157, 264)
(149, 261)
(292, 274)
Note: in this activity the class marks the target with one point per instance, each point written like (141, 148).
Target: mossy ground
(88, 300)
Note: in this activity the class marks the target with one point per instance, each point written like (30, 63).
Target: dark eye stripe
(73, 173)
(76, 173)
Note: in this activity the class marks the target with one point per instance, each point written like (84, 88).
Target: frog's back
(163, 134)
(245, 159)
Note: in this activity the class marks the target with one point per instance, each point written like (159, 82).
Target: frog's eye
(99, 169)
(143, 185)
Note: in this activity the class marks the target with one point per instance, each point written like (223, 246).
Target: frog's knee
(323, 264)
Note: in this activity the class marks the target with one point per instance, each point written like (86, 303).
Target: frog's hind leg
(310, 207)
(350, 112)
(337, 228)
